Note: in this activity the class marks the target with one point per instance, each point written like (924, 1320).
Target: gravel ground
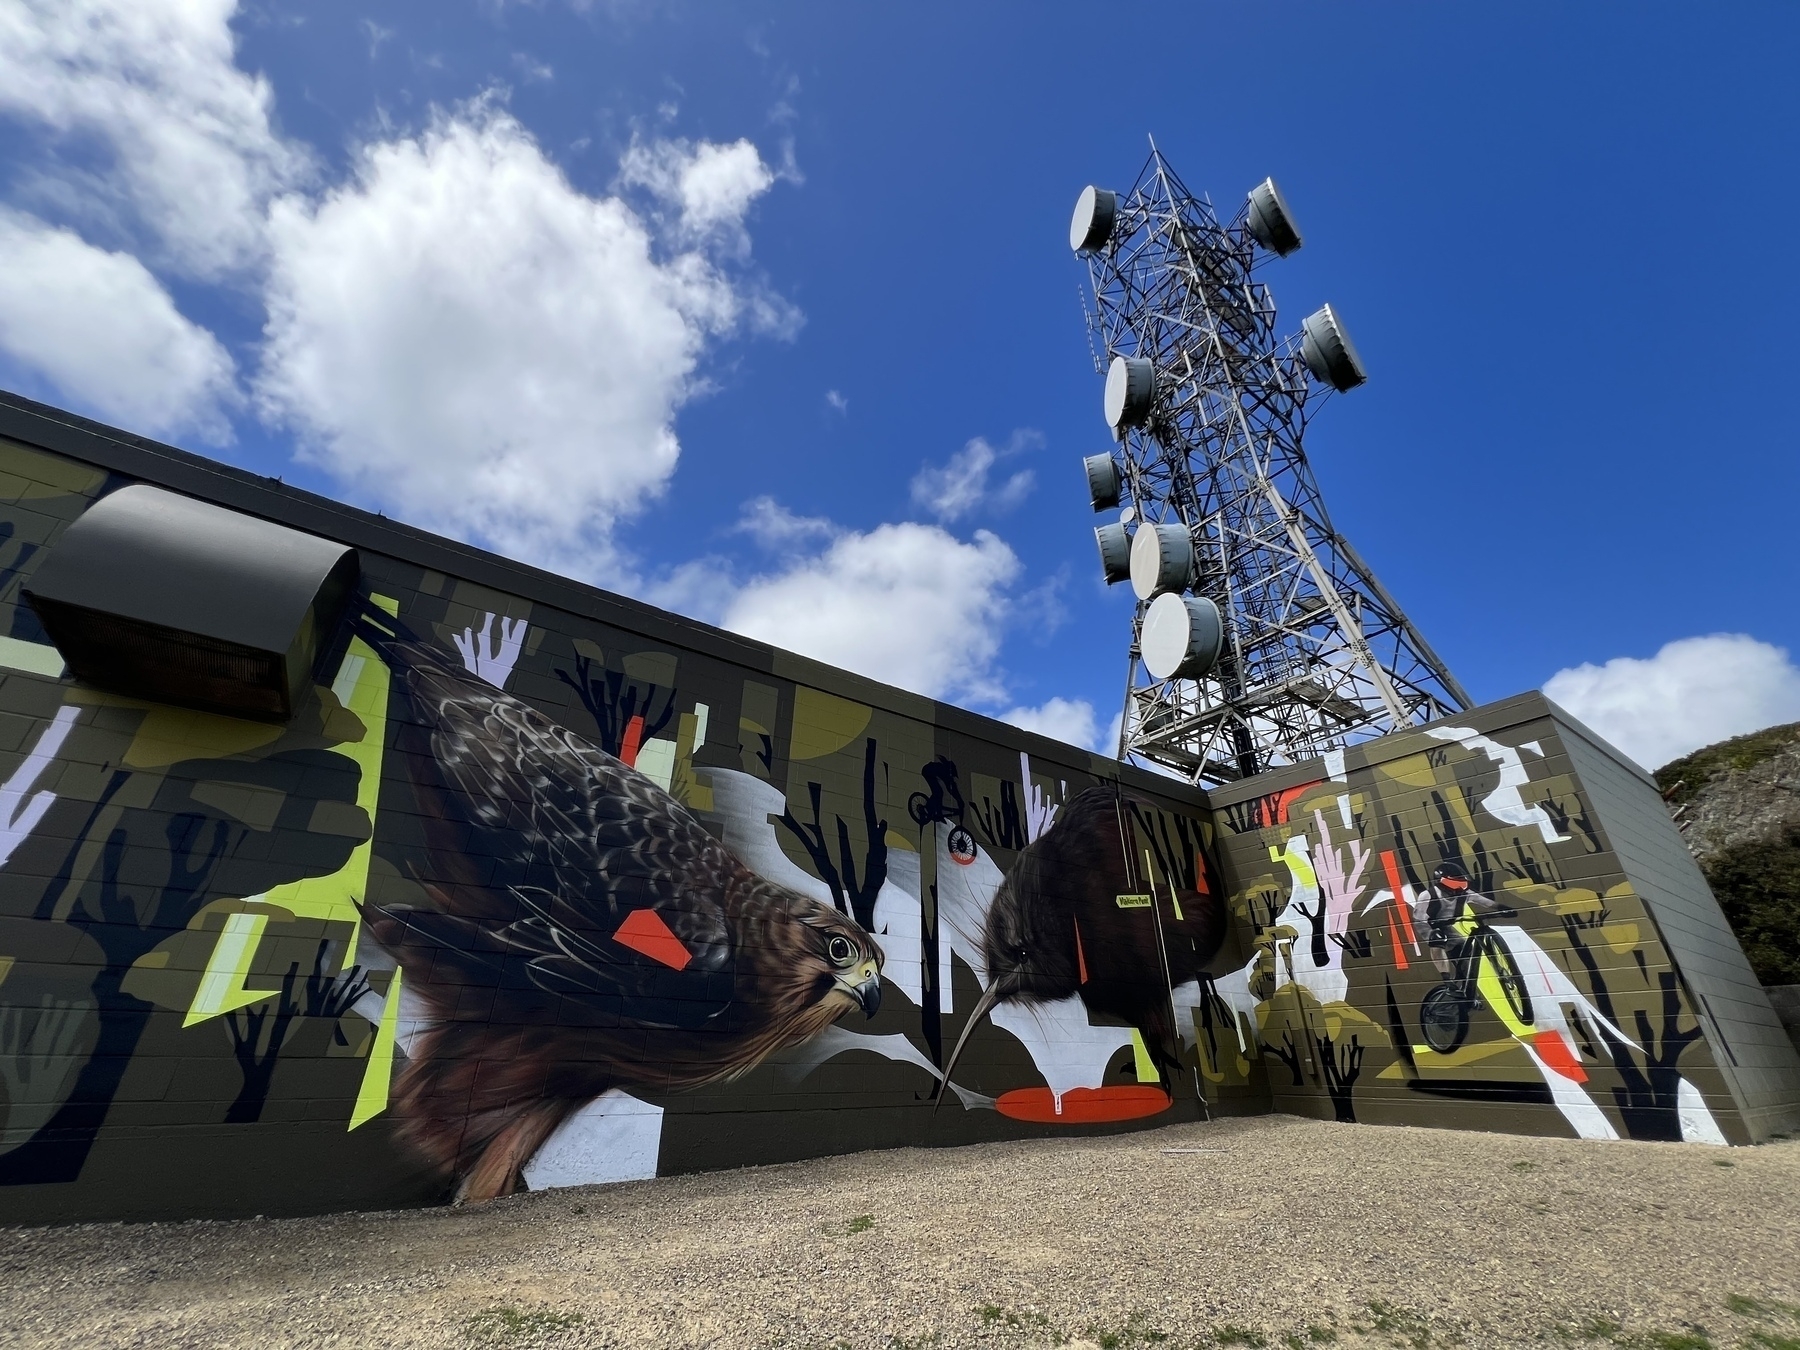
(1268, 1232)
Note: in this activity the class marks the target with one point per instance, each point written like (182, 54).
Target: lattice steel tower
(1260, 637)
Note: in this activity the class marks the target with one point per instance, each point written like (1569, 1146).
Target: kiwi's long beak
(984, 1005)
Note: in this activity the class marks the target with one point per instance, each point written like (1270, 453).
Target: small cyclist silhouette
(1455, 915)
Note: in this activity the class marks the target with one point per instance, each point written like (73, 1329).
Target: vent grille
(148, 661)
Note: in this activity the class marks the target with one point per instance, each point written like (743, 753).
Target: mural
(1448, 927)
(526, 898)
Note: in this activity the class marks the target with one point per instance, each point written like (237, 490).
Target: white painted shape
(656, 761)
(36, 657)
(965, 890)
(798, 1061)
(21, 809)
(900, 925)
(1550, 988)
(1697, 1123)
(1504, 803)
(487, 658)
(1040, 811)
(1532, 746)
(1587, 1119)
(1067, 1050)
(749, 809)
(700, 712)
(1345, 816)
(1334, 766)
(615, 1137)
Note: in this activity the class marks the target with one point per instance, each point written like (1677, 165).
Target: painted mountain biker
(1442, 905)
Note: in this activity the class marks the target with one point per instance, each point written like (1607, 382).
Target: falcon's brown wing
(618, 893)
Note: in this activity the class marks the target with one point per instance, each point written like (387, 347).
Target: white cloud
(1692, 693)
(463, 337)
(184, 139)
(774, 526)
(1071, 721)
(836, 401)
(960, 487)
(100, 328)
(905, 603)
(712, 186)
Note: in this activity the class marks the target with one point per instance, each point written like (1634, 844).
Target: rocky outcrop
(1738, 806)
(1736, 792)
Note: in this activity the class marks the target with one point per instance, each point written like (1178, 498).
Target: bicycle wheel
(1444, 1018)
(1512, 979)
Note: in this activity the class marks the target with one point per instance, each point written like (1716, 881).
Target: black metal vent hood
(161, 597)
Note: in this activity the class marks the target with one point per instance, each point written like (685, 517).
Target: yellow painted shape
(1621, 937)
(362, 687)
(824, 723)
(1427, 1058)
(46, 475)
(1298, 866)
(378, 1076)
(6, 965)
(168, 735)
(1488, 981)
(1144, 1066)
(1413, 771)
(222, 985)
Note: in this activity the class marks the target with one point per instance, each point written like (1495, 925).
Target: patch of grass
(1524, 1167)
(1760, 1307)
(1233, 1335)
(1406, 1328)
(1697, 1339)
(1768, 1340)
(1723, 1162)
(1682, 779)
(912, 1342)
(862, 1223)
(993, 1315)
(509, 1324)
(1319, 1335)
(1133, 1333)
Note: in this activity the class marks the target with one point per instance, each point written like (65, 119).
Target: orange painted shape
(1084, 1106)
(1200, 874)
(1285, 800)
(644, 931)
(1080, 957)
(1399, 951)
(634, 738)
(1554, 1049)
(1392, 869)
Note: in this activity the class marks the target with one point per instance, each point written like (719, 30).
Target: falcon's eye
(840, 950)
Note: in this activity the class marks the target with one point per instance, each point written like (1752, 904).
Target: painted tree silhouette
(853, 889)
(613, 698)
(1343, 1066)
(326, 996)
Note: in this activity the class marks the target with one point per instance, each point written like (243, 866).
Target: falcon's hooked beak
(863, 985)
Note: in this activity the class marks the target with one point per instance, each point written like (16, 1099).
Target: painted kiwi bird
(1055, 928)
(586, 932)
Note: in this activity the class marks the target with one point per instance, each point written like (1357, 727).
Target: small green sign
(1134, 902)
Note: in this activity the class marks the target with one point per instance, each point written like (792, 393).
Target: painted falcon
(585, 933)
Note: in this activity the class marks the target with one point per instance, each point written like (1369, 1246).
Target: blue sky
(685, 298)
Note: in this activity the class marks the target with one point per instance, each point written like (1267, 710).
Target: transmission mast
(1260, 637)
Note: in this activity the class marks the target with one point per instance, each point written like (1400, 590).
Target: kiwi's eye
(840, 950)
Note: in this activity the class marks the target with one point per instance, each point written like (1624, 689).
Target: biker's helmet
(1450, 877)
